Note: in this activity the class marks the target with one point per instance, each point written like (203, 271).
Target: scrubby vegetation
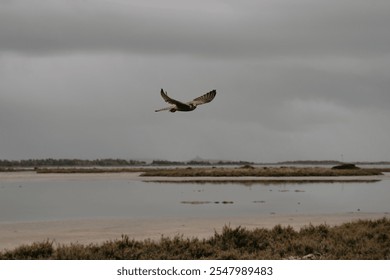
(345, 166)
(363, 239)
(68, 162)
(88, 170)
(259, 172)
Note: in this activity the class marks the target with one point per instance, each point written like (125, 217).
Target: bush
(346, 166)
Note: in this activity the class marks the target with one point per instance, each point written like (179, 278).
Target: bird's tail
(164, 109)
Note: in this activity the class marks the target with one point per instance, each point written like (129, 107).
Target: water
(53, 200)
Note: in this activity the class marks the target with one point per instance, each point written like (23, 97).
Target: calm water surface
(31, 201)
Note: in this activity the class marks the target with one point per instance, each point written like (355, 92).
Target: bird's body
(189, 106)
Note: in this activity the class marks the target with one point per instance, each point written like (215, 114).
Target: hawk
(189, 106)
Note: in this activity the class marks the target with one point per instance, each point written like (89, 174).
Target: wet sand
(13, 234)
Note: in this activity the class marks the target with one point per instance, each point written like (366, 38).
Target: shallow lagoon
(53, 200)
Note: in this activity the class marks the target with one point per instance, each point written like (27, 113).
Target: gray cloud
(251, 28)
(295, 79)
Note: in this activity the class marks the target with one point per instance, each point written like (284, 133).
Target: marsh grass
(259, 172)
(363, 239)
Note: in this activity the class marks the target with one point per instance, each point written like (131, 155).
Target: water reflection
(52, 200)
(267, 182)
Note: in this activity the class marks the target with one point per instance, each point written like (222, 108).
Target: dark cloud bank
(295, 79)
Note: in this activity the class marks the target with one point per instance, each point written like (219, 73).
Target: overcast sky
(295, 80)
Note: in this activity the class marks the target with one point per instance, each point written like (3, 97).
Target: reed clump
(363, 239)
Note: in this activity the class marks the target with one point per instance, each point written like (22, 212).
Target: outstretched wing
(179, 105)
(206, 98)
(171, 100)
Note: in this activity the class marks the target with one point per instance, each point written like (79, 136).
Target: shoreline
(37, 177)
(86, 231)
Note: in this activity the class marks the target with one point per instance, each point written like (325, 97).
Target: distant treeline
(28, 163)
(68, 162)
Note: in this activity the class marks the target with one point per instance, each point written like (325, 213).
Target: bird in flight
(189, 106)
